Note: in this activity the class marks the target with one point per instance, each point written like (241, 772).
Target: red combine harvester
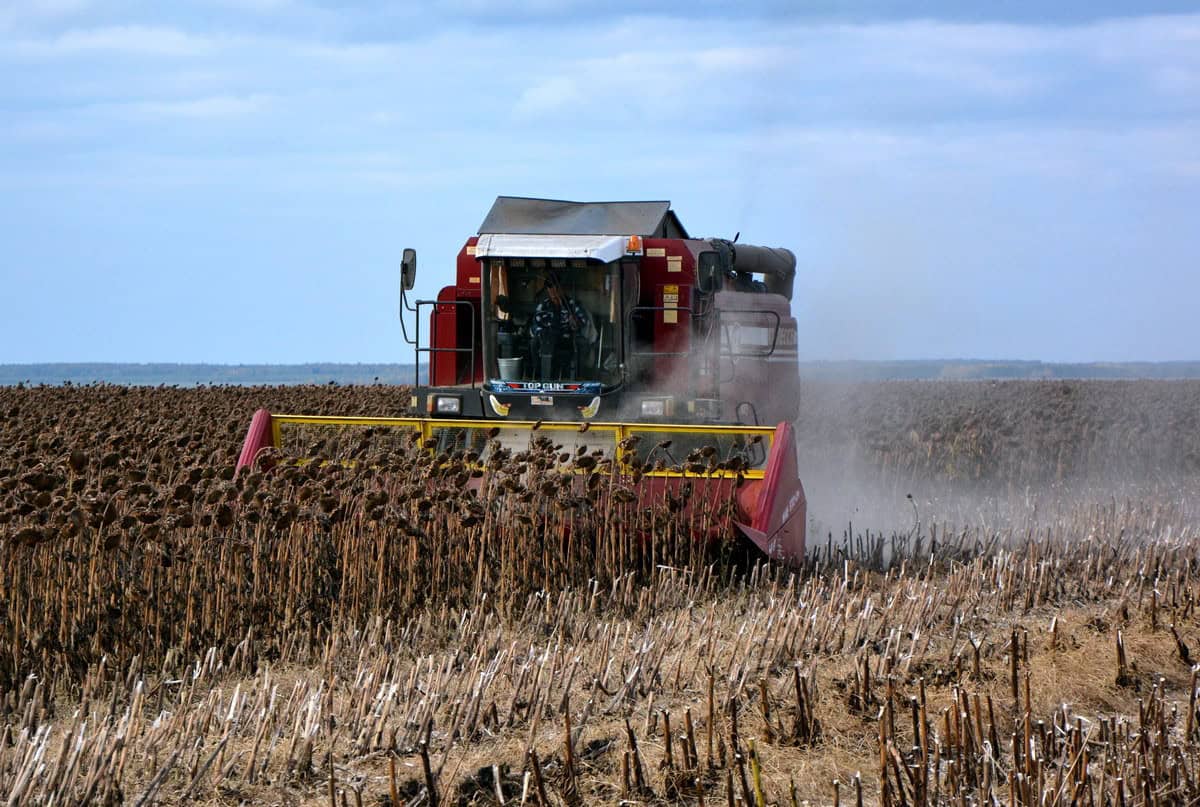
(678, 353)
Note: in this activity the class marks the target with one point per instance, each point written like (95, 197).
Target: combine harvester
(609, 328)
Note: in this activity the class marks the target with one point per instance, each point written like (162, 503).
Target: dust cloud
(905, 457)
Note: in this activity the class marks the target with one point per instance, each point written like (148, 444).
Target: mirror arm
(404, 304)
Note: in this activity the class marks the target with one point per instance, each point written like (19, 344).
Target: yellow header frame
(620, 431)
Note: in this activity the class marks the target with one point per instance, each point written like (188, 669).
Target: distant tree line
(194, 374)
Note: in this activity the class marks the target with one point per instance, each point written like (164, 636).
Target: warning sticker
(670, 300)
(542, 400)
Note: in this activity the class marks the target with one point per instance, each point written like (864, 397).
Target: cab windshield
(550, 320)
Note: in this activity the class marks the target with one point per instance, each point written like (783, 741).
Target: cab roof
(524, 216)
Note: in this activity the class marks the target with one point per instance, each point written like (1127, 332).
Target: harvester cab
(585, 311)
(679, 354)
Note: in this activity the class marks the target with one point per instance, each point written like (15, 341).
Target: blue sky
(233, 181)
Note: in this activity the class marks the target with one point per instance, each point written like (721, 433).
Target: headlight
(654, 409)
(447, 405)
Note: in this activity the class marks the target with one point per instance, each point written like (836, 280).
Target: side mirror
(408, 269)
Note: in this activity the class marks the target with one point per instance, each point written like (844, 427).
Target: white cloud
(508, 7)
(134, 39)
(730, 58)
(218, 106)
(138, 40)
(1177, 80)
(848, 94)
(16, 14)
(349, 54)
(53, 8)
(37, 131)
(255, 6)
(919, 70)
(547, 97)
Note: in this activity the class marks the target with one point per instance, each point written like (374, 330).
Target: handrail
(418, 350)
(654, 353)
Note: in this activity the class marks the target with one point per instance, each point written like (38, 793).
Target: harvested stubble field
(374, 635)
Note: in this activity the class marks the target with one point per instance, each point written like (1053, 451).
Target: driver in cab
(561, 329)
